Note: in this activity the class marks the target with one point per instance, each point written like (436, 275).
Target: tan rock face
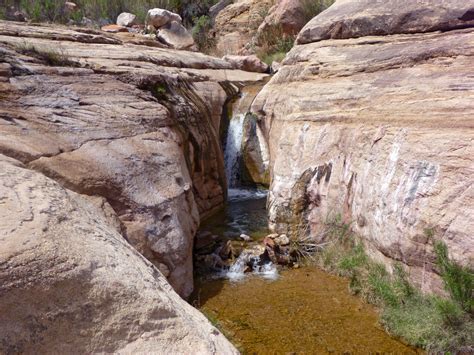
(135, 125)
(70, 283)
(352, 19)
(288, 15)
(236, 24)
(378, 130)
(248, 63)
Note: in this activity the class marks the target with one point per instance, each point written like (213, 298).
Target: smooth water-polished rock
(70, 283)
(377, 130)
(247, 62)
(160, 17)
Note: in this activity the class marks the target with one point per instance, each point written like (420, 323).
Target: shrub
(53, 10)
(312, 8)
(458, 280)
(201, 35)
(431, 322)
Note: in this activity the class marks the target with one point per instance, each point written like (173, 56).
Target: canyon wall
(371, 118)
(129, 133)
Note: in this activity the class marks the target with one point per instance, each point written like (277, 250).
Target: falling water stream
(269, 311)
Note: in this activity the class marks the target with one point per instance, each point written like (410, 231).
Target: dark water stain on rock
(305, 311)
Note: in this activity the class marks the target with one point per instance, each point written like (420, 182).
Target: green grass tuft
(458, 280)
(49, 56)
(428, 321)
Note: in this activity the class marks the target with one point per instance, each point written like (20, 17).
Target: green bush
(458, 280)
(200, 32)
(431, 322)
(312, 8)
(53, 10)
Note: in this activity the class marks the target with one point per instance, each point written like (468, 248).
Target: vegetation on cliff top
(437, 324)
(105, 10)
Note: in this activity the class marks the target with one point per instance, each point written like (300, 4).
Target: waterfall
(246, 260)
(233, 148)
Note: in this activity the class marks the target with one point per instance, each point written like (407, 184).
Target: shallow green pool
(305, 311)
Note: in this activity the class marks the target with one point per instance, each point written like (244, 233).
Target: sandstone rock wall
(378, 129)
(108, 116)
(70, 283)
(236, 25)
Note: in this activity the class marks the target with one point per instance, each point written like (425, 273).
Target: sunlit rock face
(112, 117)
(379, 130)
(70, 283)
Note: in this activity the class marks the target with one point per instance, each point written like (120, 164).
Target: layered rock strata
(377, 127)
(136, 125)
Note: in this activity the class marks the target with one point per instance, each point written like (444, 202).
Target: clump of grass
(273, 44)
(49, 56)
(434, 323)
(458, 280)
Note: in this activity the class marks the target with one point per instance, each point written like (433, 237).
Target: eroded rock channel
(262, 306)
(120, 164)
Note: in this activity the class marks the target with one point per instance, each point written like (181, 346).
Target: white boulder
(160, 17)
(127, 19)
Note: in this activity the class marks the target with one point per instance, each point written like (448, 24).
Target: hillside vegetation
(55, 11)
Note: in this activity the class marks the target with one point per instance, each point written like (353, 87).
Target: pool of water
(245, 213)
(304, 311)
(292, 311)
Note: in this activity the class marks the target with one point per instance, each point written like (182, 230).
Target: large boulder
(287, 16)
(127, 19)
(352, 19)
(377, 130)
(236, 25)
(70, 283)
(175, 35)
(255, 156)
(160, 17)
(247, 62)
